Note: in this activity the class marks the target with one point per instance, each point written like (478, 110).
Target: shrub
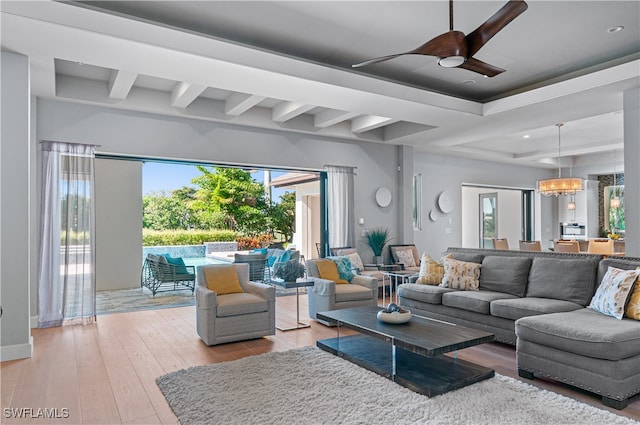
(251, 242)
(185, 237)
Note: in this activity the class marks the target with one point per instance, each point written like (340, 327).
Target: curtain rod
(70, 143)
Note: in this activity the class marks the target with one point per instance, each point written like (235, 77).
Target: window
(614, 219)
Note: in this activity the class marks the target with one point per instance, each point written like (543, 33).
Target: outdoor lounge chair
(159, 275)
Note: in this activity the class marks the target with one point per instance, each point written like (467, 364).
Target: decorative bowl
(395, 317)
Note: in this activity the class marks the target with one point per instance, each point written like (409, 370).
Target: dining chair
(566, 246)
(501, 244)
(530, 246)
(601, 246)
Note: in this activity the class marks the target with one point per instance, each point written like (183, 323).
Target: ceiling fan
(454, 49)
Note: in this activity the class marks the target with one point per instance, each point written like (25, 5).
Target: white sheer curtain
(67, 254)
(340, 205)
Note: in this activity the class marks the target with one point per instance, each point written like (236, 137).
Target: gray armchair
(326, 295)
(236, 316)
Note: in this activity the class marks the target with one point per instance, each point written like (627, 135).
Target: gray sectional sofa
(538, 302)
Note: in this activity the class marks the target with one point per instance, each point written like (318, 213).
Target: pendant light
(559, 186)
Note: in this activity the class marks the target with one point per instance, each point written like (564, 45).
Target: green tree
(282, 216)
(233, 192)
(164, 212)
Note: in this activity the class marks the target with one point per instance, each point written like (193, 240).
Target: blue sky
(159, 176)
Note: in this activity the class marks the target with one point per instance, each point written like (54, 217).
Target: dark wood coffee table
(410, 354)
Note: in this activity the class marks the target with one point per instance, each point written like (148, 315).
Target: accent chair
(572, 247)
(327, 295)
(406, 255)
(601, 246)
(530, 246)
(230, 307)
(501, 244)
(357, 265)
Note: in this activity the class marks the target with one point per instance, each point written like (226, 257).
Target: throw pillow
(286, 256)
(612, 294)
(461, 275)
(178, 262)
(431, 272)
(356, 261)
(223, 279)
(327, 269)
(405, 256)
(633, 306)
(344, 267)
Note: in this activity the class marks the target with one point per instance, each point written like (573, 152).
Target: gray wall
(15, 208)
(631, 170)
(118, 197)
(440, 173)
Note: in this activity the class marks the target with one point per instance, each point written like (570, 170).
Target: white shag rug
(310, 386)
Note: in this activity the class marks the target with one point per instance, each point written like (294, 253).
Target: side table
(299, 283)
(395, 278)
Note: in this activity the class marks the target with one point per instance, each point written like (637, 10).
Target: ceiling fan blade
(450, 43)
(475, 65)
(481, 35)
(380, 59)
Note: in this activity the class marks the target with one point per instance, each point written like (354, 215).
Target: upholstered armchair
(230, 307)
(406, 255)
(357, 264)
(326, 294)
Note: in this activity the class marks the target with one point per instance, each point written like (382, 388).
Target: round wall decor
(445, 202)
(383, 197)
(433, 215)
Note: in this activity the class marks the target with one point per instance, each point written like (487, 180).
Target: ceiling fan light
(451, 61)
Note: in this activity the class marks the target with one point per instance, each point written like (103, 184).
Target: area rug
(310, 386)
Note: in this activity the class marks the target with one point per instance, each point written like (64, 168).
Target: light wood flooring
(105, 373)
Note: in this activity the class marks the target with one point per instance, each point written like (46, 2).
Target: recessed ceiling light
(615, 29)
(526, 136)
(468, 82)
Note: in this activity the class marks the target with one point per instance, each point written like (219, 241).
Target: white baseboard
(34, 322)
(17, 351)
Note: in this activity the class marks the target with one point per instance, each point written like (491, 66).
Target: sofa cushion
(478, 301)
(236, 304)
(467, 256)
(461, 275)
(530, 306)
(584, 332)
(505, 274)
(612, 294)
(562, 279)
(352, 292)
(423, 293)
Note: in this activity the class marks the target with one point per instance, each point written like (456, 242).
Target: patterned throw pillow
(344, 267)
(461, 275)
(405, 256)
(431, 272)
(328, 269)
(356, 261)
(612, 294)
(633, 306)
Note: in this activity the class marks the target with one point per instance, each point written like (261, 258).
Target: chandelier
(559, 186)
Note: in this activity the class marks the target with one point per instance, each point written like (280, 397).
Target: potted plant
(288, 271)
(377, 239)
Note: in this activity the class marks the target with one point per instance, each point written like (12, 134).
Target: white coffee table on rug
(393, 279)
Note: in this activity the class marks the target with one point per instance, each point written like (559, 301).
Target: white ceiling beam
(120, 83)
(584, 149)
(239, 103)
(369, 122)
(184, 93)
(332, 117)
(287, 110)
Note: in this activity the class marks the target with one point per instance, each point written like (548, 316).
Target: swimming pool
(201, 261)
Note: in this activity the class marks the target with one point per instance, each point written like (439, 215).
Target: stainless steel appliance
(577, 231)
